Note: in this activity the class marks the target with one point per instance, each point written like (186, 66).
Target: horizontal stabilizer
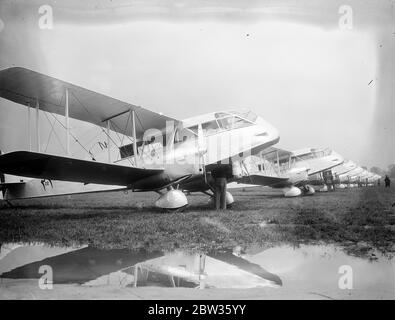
(46, 166)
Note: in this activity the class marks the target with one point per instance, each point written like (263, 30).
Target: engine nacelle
(292, 192)
(172, 200)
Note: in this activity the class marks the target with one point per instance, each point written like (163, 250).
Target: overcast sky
(289, 61)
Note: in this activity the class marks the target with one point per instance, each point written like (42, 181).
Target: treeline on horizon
(390, 171)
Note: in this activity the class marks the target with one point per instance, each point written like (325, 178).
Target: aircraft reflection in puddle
(218, 270)
(121, 267)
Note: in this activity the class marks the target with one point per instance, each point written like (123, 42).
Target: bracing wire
(73, 136)
(79, 101)
(54, 131)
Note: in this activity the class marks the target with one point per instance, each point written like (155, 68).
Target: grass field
(357, 219)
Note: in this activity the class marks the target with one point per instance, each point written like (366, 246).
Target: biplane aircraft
(340, 171)
(292, 171)
(360, 177)
(366, 178)
(165, 155)
(351, 178)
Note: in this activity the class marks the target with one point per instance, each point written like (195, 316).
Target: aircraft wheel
(229, 199)
(308, 190)
(292, 192)
(172, 200)
(324, 189)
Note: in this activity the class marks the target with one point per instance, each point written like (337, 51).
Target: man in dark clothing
(387, 182)
(220, 193)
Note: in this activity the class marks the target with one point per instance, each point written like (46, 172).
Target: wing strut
(67, 123)
(29, 127)
(134, 138)
(108, 141)
(38, 125)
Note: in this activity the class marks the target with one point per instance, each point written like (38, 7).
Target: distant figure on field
(387, 181)
(378, 182)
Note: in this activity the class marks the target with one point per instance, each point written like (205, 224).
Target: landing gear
(172, 200)
(324, 188)
(308, 190)
(292, 192)
(228, 197)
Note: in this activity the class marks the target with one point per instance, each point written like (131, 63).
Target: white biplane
(165, 155)
(351, 178)
(340, 171)
(292, 171)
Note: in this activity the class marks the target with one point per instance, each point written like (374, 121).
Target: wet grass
(357, 219)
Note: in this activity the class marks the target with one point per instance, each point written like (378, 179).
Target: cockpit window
(316, 153)
(222, 121)
(247, 114)
(322, 153)
(210, 127)
(225, 122)
(240, 123)
(232, 122)
(193, 129)
(306, 156)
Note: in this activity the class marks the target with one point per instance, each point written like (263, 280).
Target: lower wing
(45, 166)
(261, 180)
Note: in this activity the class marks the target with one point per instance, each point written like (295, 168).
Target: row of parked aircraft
(169, 156)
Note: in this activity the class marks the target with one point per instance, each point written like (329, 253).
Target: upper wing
(26, 87)
(45, 166)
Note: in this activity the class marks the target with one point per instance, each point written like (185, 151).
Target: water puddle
(311, 268)
(327, 268)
